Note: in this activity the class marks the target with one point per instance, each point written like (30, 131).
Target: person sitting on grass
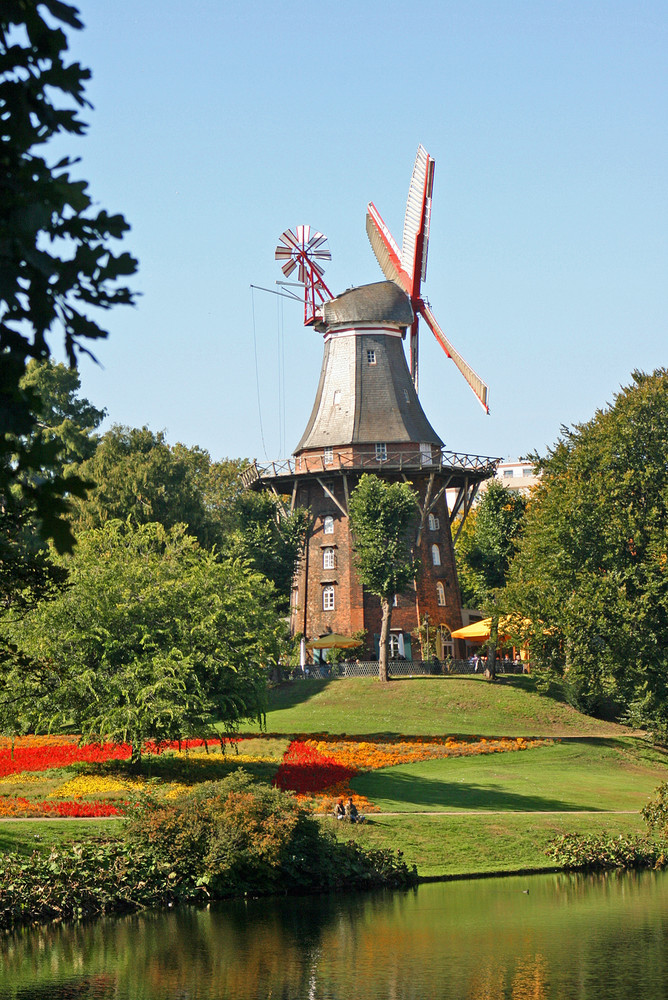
(340, 810)
(351, 812)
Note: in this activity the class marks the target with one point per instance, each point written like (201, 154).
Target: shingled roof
(366, 394)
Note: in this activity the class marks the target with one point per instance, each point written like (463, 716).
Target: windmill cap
(381, 302)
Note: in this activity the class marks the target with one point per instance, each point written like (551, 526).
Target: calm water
(569, 937)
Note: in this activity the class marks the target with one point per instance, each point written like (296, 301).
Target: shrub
(590, 852)
(235, 837)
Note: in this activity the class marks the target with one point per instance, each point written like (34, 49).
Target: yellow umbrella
(480, 631)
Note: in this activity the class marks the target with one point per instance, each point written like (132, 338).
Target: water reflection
(566, 937)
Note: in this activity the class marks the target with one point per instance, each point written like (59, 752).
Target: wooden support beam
(332, 497)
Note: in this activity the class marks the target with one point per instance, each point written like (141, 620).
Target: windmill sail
(418, 213)
(408, 266)
(385, 249)
(479, 387)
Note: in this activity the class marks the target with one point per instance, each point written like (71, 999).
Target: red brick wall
(355, 610)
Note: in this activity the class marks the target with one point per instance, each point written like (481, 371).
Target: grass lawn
(571, 775)
(26, 835)
(470, 845)
(428, 706)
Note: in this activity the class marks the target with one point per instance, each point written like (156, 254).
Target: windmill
(408, 266)
(367, 418)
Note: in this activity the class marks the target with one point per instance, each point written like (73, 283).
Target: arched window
(328, 559)
(440, 594)
(328, 525)
(434, 523)
(328, 598)
(435, 555)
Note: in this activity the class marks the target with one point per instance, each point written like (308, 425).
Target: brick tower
(367, 418)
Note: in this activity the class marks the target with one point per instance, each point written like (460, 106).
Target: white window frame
(381, 451)
(337, 397)
(371, 357)
(393, 646)
(328, 558)
(328, 525)
(328, 598)
(328, 456)
(435, 555)
(434, 523)
(440, 594)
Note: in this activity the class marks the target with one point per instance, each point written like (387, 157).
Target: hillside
(428, 706)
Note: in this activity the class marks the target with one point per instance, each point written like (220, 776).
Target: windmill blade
(415, 243)
(479, 387)
(385, 249)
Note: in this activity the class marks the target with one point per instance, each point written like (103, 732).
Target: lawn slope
(428, 706)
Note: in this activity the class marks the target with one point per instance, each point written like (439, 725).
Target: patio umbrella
(478, 631)
(333, 641)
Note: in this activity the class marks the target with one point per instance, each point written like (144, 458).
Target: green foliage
(382, 520)
(154, 638)
(655, 812)
(487, 543)
(600, 852)
(590, 576)
(62, 416)
(270, 538)
(238, 837)
(57, 267)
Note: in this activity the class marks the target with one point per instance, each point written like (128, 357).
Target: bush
(589, 852)
(236, 837)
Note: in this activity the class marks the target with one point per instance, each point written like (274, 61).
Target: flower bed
(320, 769)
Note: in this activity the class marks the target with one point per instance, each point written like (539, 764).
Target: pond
(520, 938)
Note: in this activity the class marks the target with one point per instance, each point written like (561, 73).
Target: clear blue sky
(219, 124)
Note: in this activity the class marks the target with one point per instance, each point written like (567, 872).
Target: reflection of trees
(485, 940)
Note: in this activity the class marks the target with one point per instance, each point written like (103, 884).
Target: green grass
(581, 774)
(427, 706)
(471, 845)
(26, 835)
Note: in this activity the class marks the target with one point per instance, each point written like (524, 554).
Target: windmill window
(371, 357)
(328, 525)
(440, 594)
(434, 523)
(406, 396)
(337, 397)
(435, 555)
(328, 559)
(329, 456)
(381, 452)
(328, 599)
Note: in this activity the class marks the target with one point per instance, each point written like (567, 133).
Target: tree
(270, 538)
(155, 638)
(590, 571)
(62, 416)
(57, 267)
(382, 519)
(138, 477)
(484, 551)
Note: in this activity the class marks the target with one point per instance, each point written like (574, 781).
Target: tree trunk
(490, 672)
(384, 637)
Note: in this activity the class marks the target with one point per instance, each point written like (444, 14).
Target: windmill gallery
(367, 418)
